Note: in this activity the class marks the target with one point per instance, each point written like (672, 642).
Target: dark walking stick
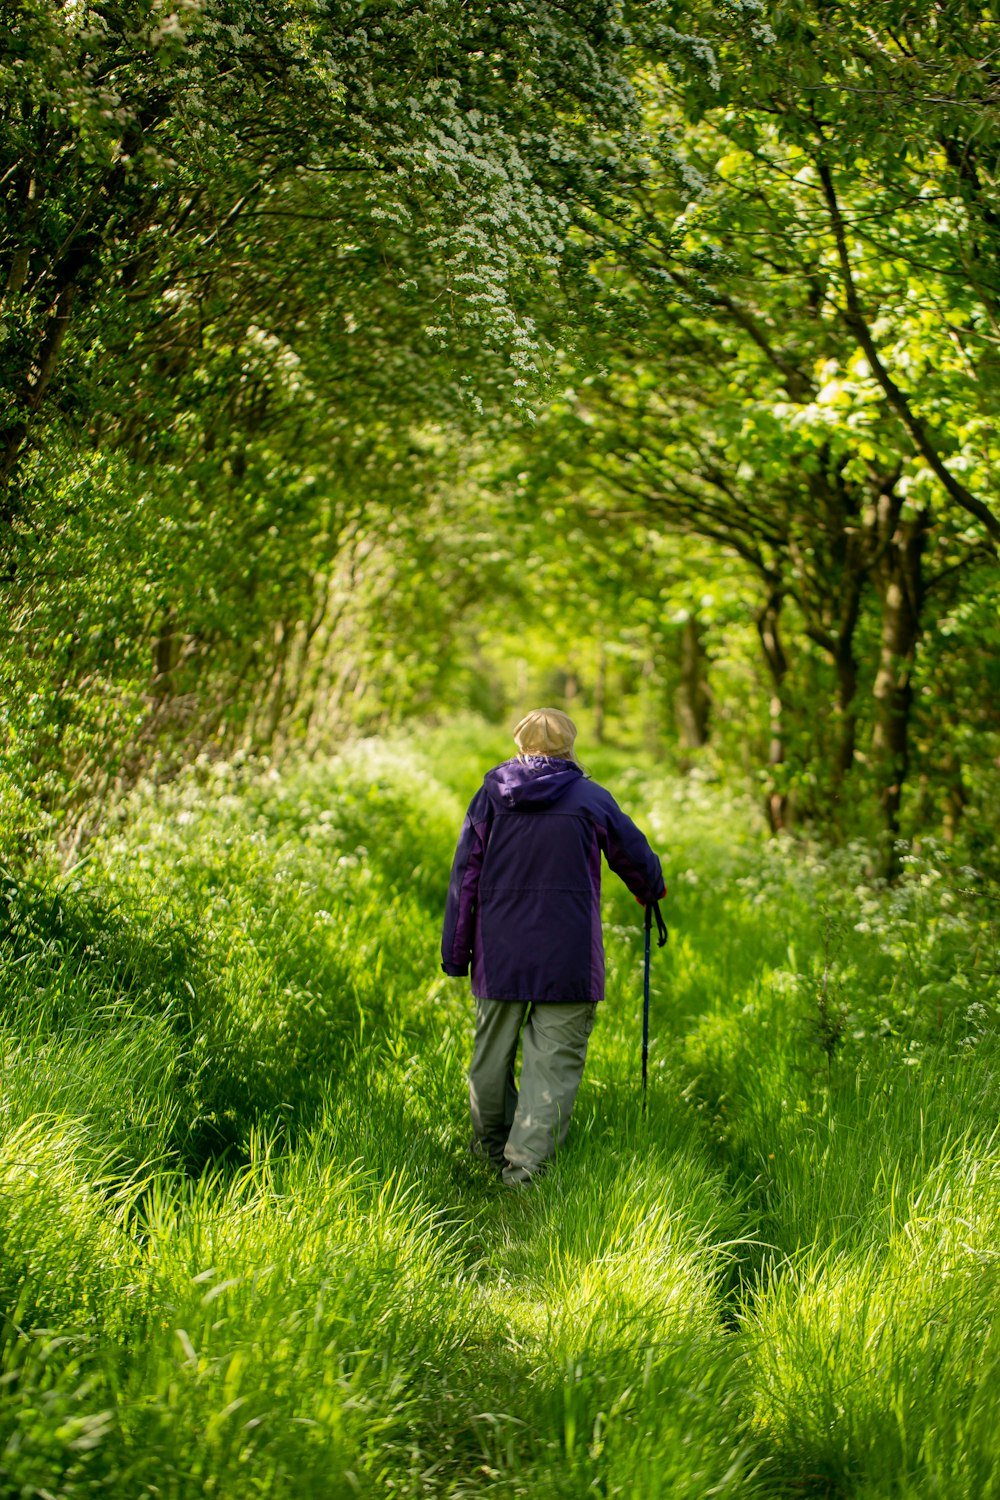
(661, 932)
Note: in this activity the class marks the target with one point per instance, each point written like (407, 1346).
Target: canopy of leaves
(387, 355)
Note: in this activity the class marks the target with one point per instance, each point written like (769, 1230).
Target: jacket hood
(533, 782)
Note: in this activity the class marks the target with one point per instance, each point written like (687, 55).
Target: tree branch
(897, 398)
(798, 384)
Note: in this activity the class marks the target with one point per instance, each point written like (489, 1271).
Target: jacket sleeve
(463, 889)
(628, 853)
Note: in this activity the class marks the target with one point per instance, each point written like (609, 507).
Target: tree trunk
(847, 713)
(273, 705)
(296, 709)
(165, 655)
(768, 622)
(693, 699)
(846, 667)
(46, 360)
(899, 580)
(955, 797)
(829, 591)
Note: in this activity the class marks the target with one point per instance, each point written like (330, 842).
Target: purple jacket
(524, 903)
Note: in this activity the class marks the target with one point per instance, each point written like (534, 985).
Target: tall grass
(244, 1247)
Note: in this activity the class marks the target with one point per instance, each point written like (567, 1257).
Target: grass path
(244, 1249)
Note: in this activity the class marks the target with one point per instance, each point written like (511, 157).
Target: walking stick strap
(661, 926)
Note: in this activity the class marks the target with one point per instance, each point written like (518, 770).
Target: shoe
(478, 1153)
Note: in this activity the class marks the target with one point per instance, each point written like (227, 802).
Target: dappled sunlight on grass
(881, 1361)
(245, 1248)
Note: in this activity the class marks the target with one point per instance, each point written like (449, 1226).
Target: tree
(249, 251)
(762, 400)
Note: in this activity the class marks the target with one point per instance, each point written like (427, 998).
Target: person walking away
(524, 912)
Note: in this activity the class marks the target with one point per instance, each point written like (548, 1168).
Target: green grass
(245, 1250)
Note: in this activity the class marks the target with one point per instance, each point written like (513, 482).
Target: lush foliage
(249, 253)
(797, 363)
(244, 1248)
(281, 281)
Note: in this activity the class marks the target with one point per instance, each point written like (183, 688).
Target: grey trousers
(520, 1131)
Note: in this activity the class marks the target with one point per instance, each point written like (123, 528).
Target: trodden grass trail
(245, 1251)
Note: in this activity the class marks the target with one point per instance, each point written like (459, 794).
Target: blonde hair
(546, 731)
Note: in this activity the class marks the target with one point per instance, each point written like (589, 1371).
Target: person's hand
(661, 897)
